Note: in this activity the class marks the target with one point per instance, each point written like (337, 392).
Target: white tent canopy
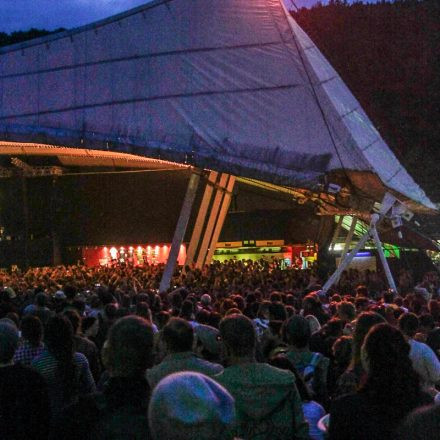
(230, 85)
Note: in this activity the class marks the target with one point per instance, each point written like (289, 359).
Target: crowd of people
(237, 350)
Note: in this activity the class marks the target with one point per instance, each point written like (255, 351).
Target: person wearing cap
(207, 343)
(178, 337)
(189, 405)
(120, 411)
(24, 402)
(59, 294)
(267, 401)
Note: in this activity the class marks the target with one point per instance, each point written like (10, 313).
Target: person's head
(143, 310)
(58, 336)
(205, 300)
(74, 318)
(239, 301)
(178, 335)
(365, 321)
(95, 301)
(187, 310)
(277, 311)
(8, 342)
(14, 318)
(346, 311)
(32, 330)
(409, 324)
(207, 342)
(70, 292)
(362, 291)
(128, 349)
(176, 300)
(426, 323)
(238, 337)
(90, 326)
(383, 346)
(162, 318)
(388, 296)
(233, 311)
(264, 310)
(40, 299)
(334, 328)
(189, 405)
(111, 312)
(297, 331)
(311, 304)
(390, 376)
(361, 303)
(275, 297)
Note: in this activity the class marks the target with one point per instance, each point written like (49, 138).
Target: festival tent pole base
(212, 220)
(385, 265)
(221, 219)
(179, 232)
(200, 220)
(391, 207)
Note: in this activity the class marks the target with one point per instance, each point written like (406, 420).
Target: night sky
(20, 15)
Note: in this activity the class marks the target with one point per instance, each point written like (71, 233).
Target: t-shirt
(47, 365)
(425, 362)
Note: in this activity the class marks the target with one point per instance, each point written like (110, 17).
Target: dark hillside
(388, 54)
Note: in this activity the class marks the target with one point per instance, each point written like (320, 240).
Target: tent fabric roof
(231, 85)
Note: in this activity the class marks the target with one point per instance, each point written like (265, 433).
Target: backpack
(307, 371)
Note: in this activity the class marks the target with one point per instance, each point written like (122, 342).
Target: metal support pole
(211, 221)
(346, 261)
(221, 219)
(383, 259)
(179, 232)
(200, 221)
(25, 201)
(336, 233)
(349, 237)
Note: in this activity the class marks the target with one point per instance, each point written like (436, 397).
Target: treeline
(20, 36)
(388, 55)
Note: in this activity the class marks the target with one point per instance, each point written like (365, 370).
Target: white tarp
(232, 85)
